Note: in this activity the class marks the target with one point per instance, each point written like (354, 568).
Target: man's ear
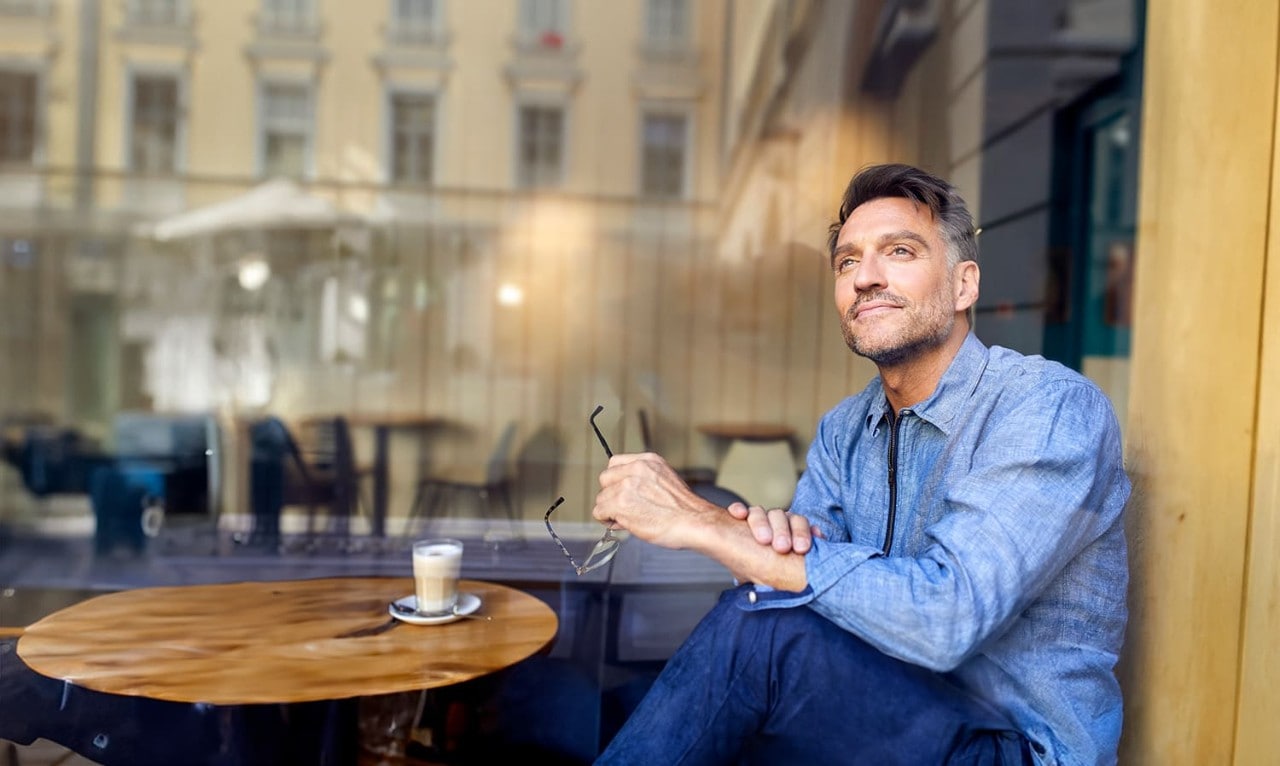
(965, 282)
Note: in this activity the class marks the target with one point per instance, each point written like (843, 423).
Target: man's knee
(795, 630)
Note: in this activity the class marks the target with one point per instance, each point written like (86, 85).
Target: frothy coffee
(437, 565)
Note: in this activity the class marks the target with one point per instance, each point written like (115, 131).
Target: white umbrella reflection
(230, 324)
(275, 204)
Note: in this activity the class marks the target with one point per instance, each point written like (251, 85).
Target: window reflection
(492, 212)
(445, 229)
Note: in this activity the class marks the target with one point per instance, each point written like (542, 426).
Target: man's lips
(873, 308)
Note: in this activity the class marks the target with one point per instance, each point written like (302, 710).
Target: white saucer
(467, 604)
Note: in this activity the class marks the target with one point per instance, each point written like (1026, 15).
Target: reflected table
(383, 424)
(278, 642)
(748, 431)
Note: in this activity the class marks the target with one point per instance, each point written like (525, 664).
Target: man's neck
(910, 382)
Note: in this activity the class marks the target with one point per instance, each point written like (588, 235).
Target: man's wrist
(731, 542)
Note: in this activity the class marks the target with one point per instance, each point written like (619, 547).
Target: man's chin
(883, 356)
(890, 352)
(871, 349)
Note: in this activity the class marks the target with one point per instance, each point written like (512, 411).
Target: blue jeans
(786, 686)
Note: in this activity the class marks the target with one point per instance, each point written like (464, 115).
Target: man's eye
(846, 263)
(900, 251)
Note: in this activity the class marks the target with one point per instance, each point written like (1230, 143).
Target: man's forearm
(729, 541)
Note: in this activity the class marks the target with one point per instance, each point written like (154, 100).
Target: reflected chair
(54, 459)
(489, 483)
(763, 472)
(327, 445)
(701, 480)
(285, 472)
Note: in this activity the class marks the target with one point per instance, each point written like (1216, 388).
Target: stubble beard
(923, 327)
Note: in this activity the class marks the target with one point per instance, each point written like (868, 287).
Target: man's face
(895, 291)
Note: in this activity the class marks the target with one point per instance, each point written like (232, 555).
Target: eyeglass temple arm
(547, 520)
(599, 409)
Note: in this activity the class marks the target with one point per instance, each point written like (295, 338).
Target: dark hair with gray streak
(907, 182)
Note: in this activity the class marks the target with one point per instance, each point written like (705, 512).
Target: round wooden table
(278, 642)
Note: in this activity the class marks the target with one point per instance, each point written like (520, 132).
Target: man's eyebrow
(883, 240)
(903, 234)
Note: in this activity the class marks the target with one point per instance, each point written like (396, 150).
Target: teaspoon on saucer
(402, 609)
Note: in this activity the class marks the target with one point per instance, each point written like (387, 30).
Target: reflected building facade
(507, 212)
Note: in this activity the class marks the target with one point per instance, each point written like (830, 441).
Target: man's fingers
(626, 458)
(800, 534)
(780, 523)
(738, 510)
(761, 529)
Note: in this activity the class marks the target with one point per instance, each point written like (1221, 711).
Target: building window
(288, 17)
(413, 128)
(24, 7)
(667, 22)
(153, 140)
(664, 156)
(541, 146)
(18, 118)
(544, 22)
(415, 20)
(286, 130)
(157, 13)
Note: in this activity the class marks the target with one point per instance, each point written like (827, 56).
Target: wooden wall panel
(1208, 126)
(708, 358)
(1257, 737)
(668, 405)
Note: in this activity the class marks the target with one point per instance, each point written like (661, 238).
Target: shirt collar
(948, 399)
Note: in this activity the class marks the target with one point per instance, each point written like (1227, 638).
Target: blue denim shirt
(1007, 566)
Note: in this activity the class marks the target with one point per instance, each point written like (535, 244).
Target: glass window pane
(663, 157)
(288, 15)
(666, 21)
(541, 146)
(285, 155)
(286, 124)
(415, 12)
(153, 148)
(17, 117)
(540, 16)
(158, 12)
(413, 137)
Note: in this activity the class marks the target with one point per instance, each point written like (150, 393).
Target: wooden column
(1257, 736)
(1203, 612)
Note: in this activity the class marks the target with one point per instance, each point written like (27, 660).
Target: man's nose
(870, 274)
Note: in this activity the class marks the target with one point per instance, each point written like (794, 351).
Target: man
(949, 583)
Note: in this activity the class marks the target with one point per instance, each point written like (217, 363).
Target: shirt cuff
(827, 563)
(753, 598)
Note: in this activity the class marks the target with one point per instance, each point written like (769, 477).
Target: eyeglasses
(603, 551)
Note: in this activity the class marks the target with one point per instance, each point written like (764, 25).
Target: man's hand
(785, 531)
(644, 495)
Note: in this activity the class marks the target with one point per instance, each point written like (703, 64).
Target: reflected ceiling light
(358, 308)
(510, 294)
(253, 273)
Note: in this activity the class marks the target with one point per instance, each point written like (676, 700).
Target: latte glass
(437, 564)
